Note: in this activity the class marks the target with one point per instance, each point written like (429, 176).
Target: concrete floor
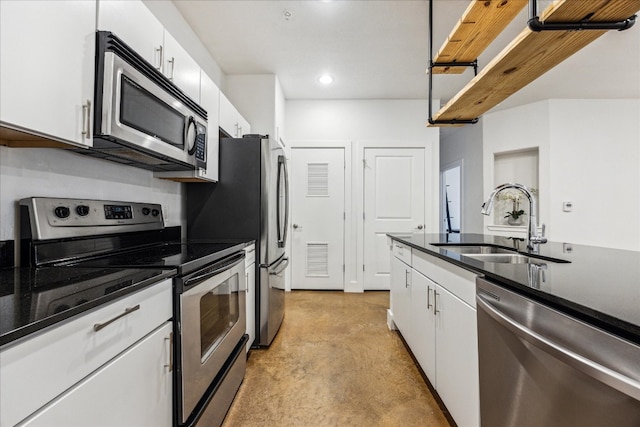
(334, 362)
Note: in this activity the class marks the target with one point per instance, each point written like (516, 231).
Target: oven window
(219, 311)
(141, 110)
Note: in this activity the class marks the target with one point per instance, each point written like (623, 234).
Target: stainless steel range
(209, 299)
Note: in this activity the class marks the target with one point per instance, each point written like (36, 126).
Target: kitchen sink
(486, 253)
(502, 258)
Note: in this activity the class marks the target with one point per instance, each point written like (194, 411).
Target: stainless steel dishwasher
(540, 367)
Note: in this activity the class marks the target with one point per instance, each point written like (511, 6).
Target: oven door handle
(202, 277)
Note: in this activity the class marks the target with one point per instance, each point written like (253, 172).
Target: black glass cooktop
(183, 256)
(33, 298)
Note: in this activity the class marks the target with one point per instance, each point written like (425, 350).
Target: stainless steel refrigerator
(250, 201)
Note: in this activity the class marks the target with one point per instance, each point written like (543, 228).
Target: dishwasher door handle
(616, 380)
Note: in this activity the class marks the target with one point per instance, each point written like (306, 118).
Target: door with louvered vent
(317, 211)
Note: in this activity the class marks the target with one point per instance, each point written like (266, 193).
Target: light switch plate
(567, 206)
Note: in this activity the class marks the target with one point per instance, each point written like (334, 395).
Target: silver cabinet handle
(246, 281)
(160, 58)
(435, 303)
(429, 297)
(129, 310)
(406, 278)
(617, 380)
(172, 61)
(170, 364)
(86, 119)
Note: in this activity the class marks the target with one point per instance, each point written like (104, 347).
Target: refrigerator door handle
(282, 226)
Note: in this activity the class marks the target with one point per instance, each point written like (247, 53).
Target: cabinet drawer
(456, 280)
(401, 251)
(39, 368)
(250, 255)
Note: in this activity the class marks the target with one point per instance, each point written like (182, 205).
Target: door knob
(420, 227)
(296, 226)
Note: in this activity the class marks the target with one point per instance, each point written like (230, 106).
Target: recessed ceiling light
(326, 79)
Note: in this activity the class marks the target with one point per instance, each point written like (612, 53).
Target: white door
(394, 200)
(317, 197)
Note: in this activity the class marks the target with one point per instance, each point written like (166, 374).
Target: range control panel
(56, 217)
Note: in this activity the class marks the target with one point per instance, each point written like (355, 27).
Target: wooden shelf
(531, 54)
(479, 26)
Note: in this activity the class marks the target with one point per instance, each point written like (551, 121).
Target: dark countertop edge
(611, 324)
(25, 331)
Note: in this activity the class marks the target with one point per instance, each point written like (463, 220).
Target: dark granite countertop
(600, 286)
(33, 298)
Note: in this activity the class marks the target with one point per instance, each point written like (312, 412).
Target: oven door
(212, 322)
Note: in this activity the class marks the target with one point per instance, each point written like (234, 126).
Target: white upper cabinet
(180, 68)
(134, 23)
(47, 76)
(230, 119)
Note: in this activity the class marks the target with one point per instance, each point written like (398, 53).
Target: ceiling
(379, 49)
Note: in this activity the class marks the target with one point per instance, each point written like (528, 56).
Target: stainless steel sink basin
(502, 258)
(486, 253)
(481, 250)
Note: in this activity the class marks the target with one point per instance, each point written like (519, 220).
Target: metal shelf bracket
(536, 25)
(432, 65)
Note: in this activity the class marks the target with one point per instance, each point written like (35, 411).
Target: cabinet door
(401, 297)
(228, 116)
(181, 68)
(125, 19)
(210, 101)
(244, 128)
(133, 389)
(457, 357)
(250, 275)
(47, 54)
(423, 324)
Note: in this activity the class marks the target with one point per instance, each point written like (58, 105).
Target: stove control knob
(62, 212)
(82, 210)
(155, 212)
(145, 211)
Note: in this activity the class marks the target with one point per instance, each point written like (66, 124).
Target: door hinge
(362, 267)
(363, 216)
(344, 268)
(344, 215)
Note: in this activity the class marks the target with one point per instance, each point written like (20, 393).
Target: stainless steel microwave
(141, 117)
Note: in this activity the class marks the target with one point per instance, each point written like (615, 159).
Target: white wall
(49, 172)
(595, 163)
(589, 155)
(362, 122)
(465, 144)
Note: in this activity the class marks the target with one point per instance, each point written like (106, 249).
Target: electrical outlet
(567, 206)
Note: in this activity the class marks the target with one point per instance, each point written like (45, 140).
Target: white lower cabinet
(121, 370)
(250, 276)
(438, 323)
(133, 389)
(401, 296)
(423, 322)
(456, 349)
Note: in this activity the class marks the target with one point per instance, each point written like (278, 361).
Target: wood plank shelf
(479, 26)
(531, 54)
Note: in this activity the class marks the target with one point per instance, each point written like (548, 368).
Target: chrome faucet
(533, 239)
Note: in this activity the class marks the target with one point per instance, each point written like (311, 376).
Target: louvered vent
(318, 259)
(318, 179)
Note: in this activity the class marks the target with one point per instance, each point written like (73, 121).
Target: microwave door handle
(202, 277)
